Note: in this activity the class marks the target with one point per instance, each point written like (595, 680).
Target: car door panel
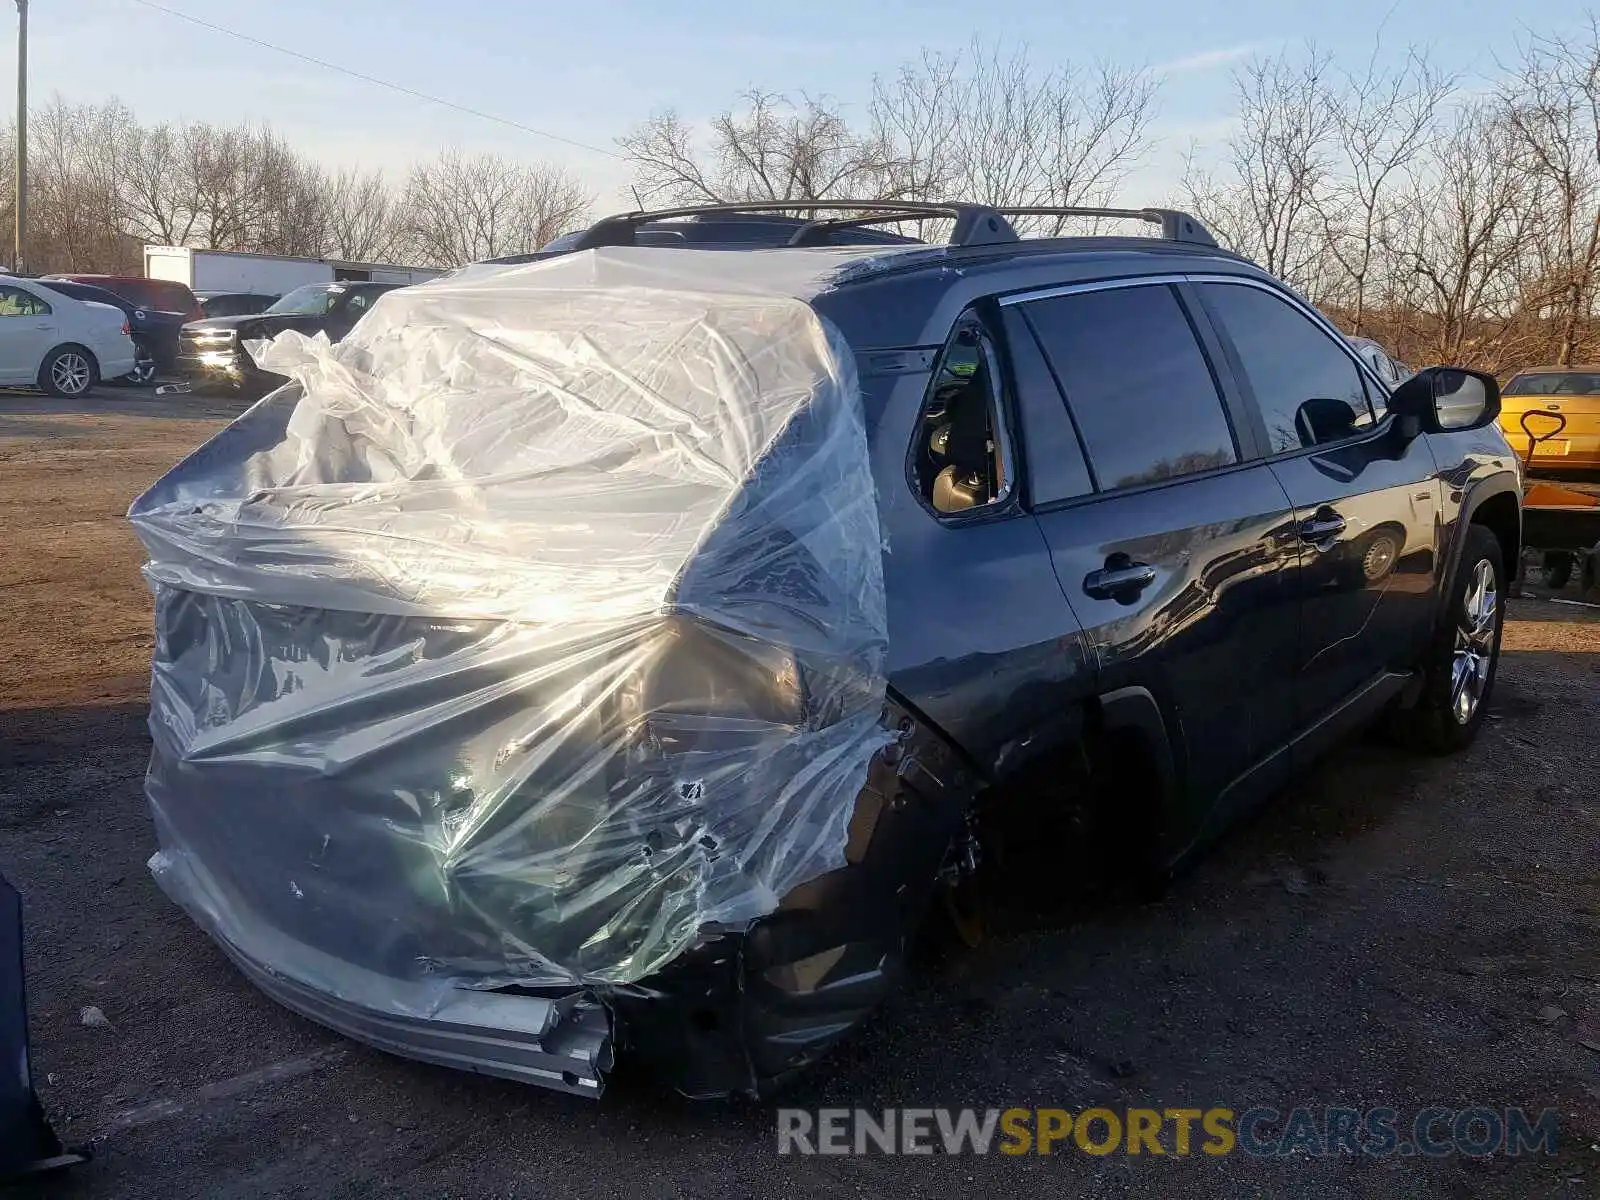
(1367, 516)
(28, 325)
(981, 640)
(15, 348)
(1365, 497)
(1181, 582)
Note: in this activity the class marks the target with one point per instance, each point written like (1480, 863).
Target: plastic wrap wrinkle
(534, 630)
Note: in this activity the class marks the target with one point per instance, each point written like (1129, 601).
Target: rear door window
(1137, 383)
(1306, 384)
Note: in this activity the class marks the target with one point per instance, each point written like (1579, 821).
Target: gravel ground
(1392, 931)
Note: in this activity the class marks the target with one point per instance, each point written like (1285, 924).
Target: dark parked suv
(212, 353)
(1152, 538)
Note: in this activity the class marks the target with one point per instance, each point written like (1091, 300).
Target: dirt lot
(1393, 932)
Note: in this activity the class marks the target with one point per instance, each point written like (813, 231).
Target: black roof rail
(975, 224)
(979, 223)
(1175, 226)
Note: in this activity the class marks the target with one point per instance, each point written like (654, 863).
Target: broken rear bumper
(741, 1012)
(557, 1043)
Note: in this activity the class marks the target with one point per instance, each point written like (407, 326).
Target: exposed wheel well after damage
(1090, 815)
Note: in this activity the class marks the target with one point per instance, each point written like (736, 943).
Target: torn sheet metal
(535, 632)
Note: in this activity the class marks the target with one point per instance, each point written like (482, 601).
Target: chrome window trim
(1098, 285)
(1271, 288)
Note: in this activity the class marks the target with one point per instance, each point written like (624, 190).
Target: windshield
(310, 301)
(1555, 383)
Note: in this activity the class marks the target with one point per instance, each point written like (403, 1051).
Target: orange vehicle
(1562, 523)
(1571, 394)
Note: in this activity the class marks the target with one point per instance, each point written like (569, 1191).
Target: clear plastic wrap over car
(533, 632)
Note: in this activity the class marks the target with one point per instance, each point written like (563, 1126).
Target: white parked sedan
(60, 345)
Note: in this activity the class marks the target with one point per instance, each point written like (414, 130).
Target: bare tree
(1264, 201)
(983, 125)
(1452, 231)
(76, 209)
(461, 208)
(361, 217)
(159, 202)
(1552, 104)
(1382, 121)
(989, 125)
(766, 147)
(1473, 203)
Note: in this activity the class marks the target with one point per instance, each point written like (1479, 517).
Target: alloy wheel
(1474, 646)
(70, 373)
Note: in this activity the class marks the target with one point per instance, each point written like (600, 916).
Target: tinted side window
(1137, 382)
(362, 299)
(134, 291)
(1049, 444)
(1308, 389)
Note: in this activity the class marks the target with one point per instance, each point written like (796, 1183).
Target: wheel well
(79, 346)
(1500, 516)
(1103, 781)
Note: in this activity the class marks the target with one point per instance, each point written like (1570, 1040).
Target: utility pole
(21, 259)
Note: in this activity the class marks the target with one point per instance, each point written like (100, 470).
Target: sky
(587, 71)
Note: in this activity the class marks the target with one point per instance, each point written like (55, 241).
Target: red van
(163, 295)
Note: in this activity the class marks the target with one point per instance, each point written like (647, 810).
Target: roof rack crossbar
(1175, 226)
(975, 224)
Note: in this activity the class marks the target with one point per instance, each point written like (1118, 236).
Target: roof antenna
(638, 200)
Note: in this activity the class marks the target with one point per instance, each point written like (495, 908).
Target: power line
(385, 83)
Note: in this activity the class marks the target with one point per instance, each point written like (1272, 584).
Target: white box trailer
(266, 274)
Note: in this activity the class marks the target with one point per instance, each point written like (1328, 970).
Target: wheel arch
(1132, 716)
(1502, 514)
(95, 373)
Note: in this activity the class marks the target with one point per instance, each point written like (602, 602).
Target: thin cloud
(1206, 60)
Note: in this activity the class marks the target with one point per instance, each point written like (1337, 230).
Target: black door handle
(1121, 579)
(1326, 524)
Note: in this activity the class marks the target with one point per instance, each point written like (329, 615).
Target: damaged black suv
(1127, 503)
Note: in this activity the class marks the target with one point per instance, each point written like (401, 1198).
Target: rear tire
(68, 372)
(1461, 662)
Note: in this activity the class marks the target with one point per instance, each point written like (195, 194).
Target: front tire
(1464, 656)
(68, 372)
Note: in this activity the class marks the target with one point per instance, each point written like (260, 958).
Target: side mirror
(1442, 399)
